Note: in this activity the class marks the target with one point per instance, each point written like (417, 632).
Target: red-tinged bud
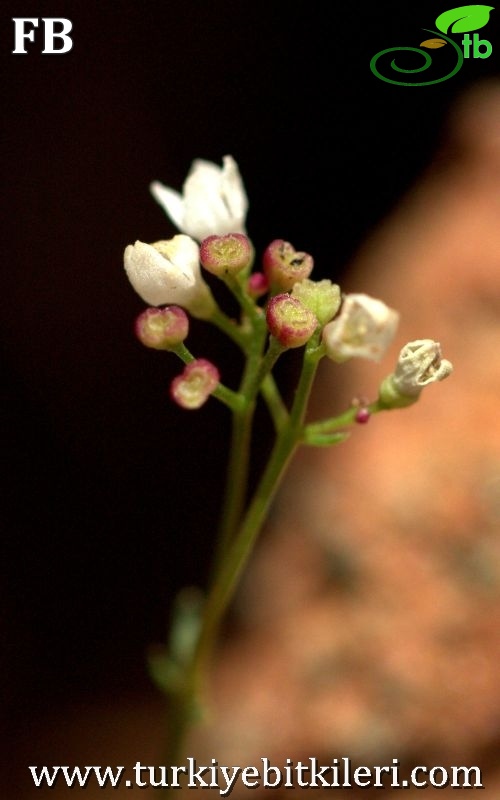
(284, 266)
(258, 285)
(162, 328)
(226, 255)
(362, 416)
(192, 388)
(290, 322)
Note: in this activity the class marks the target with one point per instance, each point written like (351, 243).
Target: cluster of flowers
(211, 214)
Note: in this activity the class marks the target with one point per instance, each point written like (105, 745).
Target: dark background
(109, 500)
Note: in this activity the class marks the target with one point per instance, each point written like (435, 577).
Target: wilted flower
(364, 328)
(213, 201)
(168, 272)
(419, 364)
(192, 388)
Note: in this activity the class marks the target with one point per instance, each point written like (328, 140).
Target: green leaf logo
(464, 19)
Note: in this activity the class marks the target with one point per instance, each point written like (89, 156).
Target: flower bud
(162, 328)
(284, 266)
(226, 255)
(419, 364)
(362, 416)
(258, 285)
(192, 388)
(290, 322)
(320, 297)
(364, 328)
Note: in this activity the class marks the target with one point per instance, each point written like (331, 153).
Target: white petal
(203, 171)
(234, 192)
(183, 253)
(171, 202)
(213, 200)
(203, 185)
(364, 328)
(168, 272)
(205, 210)
(154, 278)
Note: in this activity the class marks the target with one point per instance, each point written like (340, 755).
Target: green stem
(274, 350)
(249, 307)
(274, 402)
(342, 420)
(231, 399)
(237, 555)
(183, 353)
(237, 477)
(230, 328)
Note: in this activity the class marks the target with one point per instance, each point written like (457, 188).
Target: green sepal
(390, 397)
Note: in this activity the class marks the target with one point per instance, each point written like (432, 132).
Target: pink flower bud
(192, 388)
(258, 285)
(284, 266)
(290, 322)
(162, 328)
(362, 416)
(226, 255)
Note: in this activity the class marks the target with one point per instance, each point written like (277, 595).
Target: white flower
(419, 364)
(214, 200)
(364, 328)
(169, 272)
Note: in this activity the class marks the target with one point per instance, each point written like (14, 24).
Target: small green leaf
(186, 623)
(433, 44)
(464, 19)
(166, 675)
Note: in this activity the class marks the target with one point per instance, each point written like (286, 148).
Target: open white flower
(364, 328)
(168, 272)
(213, 201)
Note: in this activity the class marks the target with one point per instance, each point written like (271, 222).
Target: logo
(50, 34)
(458, 20)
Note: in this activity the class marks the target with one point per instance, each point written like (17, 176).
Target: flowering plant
(281, 308)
